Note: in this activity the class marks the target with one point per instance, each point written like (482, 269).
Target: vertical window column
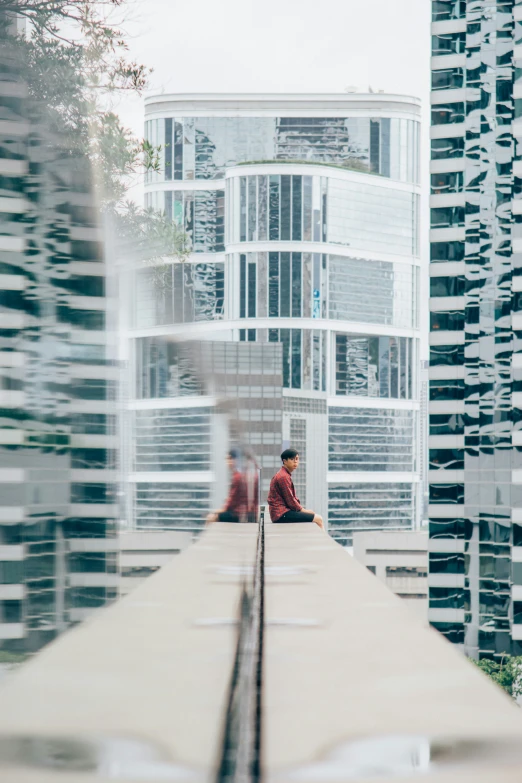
(168, 149)
(375, 145)
(274, 208)
(247, 285)
(297, 208)
(286, 207)
(242, 209)
(178, 150)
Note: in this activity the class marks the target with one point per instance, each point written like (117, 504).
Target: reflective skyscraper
(475, 425)
(57, 436)
(302, 212)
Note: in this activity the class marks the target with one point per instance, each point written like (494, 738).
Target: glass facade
(475, 493)
(171, 506)
(374, 292)
(304, 357)
(361, 506)
(282, 285)
(375, 366)
(281, 207)
(308, 327)
(163, 370)
(201, 213)
(181, 293)
(58, 448)
(204, 147)
(371, 439)
(176, 439)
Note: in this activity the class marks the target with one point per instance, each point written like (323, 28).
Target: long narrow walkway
(354, 688)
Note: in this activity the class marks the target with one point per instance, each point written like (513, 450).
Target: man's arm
(286, 493)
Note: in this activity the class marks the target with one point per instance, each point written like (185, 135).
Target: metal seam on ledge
(240, 760)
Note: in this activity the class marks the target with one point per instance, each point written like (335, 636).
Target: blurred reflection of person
(251, 475)
(235, 508)
(283, 503)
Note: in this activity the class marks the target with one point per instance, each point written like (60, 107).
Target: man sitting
(282, 501)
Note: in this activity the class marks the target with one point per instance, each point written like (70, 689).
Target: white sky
(282, 46)
(279, 46)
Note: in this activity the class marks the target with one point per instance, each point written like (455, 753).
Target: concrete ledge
(345, 660)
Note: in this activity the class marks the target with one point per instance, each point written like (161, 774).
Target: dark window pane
(447, 390)
(296, 285)
(447, 79)
(252, 288)
(285, 286)
(296, 358)
(178, 150)
(242, 286)
(450, 528)
(87, 562)
(297, 199)
(11, 611)
(447, 251)
(454, 632)
(447, 113)
(285, 340)
(450, 321)
(446, 355)
(446, 217)
(168, 149)
(274, 207)
(446, 493)
(385, 147)
(286, 201)
(11, 572)
(447, 286)
(273, 285)
(446, 563)
(449, 598)
(252, 206)
(453, 182)
(449, 459)
(242, 209)
(517, 535)
(375, 148)
(448, 43)
(448, 9)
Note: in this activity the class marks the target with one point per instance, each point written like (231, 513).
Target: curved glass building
(303, 217)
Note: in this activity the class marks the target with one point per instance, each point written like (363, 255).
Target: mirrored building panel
(375, 366)
(201, 214)
(371, 439)
(295, 207)
(179, 293)
(58, 438)
(204, 147)
(302, 291)
(475, 481)
(357, 506)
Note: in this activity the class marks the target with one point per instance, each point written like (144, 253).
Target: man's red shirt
(282, 497)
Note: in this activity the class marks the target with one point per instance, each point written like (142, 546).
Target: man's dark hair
(289, 454)
(233, 453)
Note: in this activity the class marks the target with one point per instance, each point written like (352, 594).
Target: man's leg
(317, 518)
(212, 518)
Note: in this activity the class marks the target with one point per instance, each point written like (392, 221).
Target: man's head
(232, 458)
(290, 459)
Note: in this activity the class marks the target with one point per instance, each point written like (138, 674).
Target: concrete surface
(345, 662)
